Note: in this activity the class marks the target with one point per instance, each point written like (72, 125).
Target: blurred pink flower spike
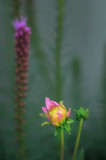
(20, 23)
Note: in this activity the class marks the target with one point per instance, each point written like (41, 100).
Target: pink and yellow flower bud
(56, 113)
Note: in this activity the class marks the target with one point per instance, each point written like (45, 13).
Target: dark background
(83, 76)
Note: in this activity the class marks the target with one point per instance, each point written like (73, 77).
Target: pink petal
(44, 110)
(49, 118)
(55, 103)
(68, 113)
(48, 103)
(53, 123)
(59, 117)
(59, 113)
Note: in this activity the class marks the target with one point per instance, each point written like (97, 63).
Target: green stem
(77, 140)
(20, 116)
(58, 48)
(62, 144)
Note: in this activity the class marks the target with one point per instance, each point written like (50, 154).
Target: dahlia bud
(57, 114)
(81, 113)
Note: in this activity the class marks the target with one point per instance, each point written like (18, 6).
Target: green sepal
(81, 113)
(42, 115)
(45, 123)
(61, 104)
(69, 121)
(57, 131)
(67, 127)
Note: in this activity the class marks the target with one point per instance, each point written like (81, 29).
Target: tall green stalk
(76, 81)
(77, 140)
(16, 8)
(62, 144)
(35, 40)
(58, 49)
(104, 95)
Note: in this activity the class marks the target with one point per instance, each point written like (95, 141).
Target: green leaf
(81, 155)
(45, 123)
(43, 115)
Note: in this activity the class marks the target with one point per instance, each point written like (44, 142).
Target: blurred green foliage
(83, 76)
(81, 155)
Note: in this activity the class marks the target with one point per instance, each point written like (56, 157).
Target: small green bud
(81, 113)
(61, 103)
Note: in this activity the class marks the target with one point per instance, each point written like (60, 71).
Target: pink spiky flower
(57, 113)
(22, 35)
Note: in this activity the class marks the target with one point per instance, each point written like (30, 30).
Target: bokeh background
(83, 76)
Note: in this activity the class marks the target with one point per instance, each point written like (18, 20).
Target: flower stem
(62, 143)
(77, 140)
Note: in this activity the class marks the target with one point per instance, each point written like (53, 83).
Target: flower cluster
(57, 114)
